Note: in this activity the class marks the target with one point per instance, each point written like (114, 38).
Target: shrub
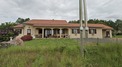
(5, 34)
(26, 37)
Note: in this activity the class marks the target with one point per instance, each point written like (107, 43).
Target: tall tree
(21, 20)
(7, 25)
(118, 25)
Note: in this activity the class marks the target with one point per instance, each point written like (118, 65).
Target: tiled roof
(60, 23)
(19, 26)
(92, 26)
(47, 22)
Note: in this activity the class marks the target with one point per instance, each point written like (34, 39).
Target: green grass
(104, 55)
(118, 36)
(60, 53)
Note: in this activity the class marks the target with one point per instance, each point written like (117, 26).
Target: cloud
(10, 10)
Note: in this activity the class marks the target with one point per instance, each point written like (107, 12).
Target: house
(61, 29)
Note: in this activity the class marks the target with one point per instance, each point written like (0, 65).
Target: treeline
(7, 30)
(6, 25)
(116, 25)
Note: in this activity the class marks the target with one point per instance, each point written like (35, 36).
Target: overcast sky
(10, 10)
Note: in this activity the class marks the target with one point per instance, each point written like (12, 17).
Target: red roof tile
(19, 26)
(61, 23)
(91, 25)
(47, 22)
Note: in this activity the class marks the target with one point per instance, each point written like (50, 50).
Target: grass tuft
(61, 53)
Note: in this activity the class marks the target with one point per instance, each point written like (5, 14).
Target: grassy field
(118, 36)
(61, 53)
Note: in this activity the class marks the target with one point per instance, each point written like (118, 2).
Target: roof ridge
(47, 20)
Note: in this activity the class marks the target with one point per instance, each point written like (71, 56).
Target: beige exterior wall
(104, 33)
(20, 35)
(75, 35)
(110, 33)
(34, 31)
(97, 35)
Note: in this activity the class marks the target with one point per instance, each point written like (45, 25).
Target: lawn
(60, 53)
(118, 36)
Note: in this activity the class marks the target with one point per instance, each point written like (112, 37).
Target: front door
(47, 33)
(107, 34)
(28, 31)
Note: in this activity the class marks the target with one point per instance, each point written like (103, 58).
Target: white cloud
(10, 10)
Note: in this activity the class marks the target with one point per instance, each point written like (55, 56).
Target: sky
(10, 10)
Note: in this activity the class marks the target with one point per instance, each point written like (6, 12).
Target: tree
(118, 26)
(7, 31)
(7, 25)
(21, 20)
(97, 21)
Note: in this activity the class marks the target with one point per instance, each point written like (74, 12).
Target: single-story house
(61, 29)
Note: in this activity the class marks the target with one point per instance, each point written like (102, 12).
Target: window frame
(75, 31)
(92, 31)
(29, 33)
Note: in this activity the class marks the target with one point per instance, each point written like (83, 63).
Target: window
(40, 31)
(28, 31)
(92, 31)
(19, 31)
(75, 31)
(78, 31)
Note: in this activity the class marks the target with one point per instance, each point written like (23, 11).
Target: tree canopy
(116, 25)
(7, 30)
(22, 20)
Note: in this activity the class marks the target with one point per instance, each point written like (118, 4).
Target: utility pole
(86, 19)
(81, 26)
(82, 6)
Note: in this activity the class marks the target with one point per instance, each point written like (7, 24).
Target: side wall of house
(75, 35)
(29, 27)
(110, 33)
(97, 35)
(22, 32)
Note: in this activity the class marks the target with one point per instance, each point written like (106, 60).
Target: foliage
(5, 34)
(42, 53)
(103, 55)
(7, 30)
(7, 25)
(118, 36)
(60, 53)
(117, 25)
(26, 37)
(21, 20)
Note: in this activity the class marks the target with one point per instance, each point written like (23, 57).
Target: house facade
(61, 29)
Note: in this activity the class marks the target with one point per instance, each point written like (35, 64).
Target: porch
(107, 33)
(52, 33)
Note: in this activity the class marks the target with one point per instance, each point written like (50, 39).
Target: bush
(26, 37)
(119, 34)
(5, 34)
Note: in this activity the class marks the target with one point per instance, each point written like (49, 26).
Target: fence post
(97, 41)
(116, 41)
